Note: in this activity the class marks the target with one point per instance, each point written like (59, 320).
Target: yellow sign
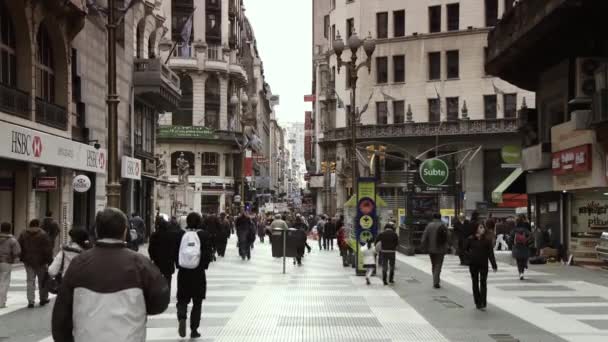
(366, 189)
(366, 222)
(448, 212)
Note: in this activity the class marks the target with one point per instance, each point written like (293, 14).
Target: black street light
(113, 181)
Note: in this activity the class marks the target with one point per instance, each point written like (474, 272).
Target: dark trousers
(327, 243)
(479, 277)
(437, 262)
(300, 253)
(388, 266)
(245, 249)
(168, 277)
(182, 309)
(320, 241)
(461, 255)
(307, 246)
(221, 248)
(522, 264)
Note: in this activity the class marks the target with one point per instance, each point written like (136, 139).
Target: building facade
(426, 94)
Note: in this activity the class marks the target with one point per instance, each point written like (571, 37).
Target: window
(510, 105)
(228, 165)
(434, 65)
(183, 115)
(453, 17)
(8, 62)
(350, 27)
(399, 68)
(212, 102)
(491, 12)
(434, 115)
(382, 25)
(399, 23)
(213, 19)
(326, 26)
(452, 104)
(210, 164)
(139, 44)
(399, 111)
(152, 46)
(381, 69)
(452, 58)
(381, 113)
(489, 105)
(333, 4)
(434, 19)
(144, 128)
(45, 67)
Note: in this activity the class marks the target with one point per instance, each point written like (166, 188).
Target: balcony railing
(51, 115)
(215, 53)
(15, 101)
(154, 80)
(423, 129)
(183, 51)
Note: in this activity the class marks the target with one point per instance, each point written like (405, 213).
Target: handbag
(52, 284)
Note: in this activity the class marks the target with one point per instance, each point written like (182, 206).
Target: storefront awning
(501, 189)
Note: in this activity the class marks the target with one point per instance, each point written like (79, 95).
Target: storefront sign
(511, 154)
(130, 168)
(29, 145)
(81, 183)
(46, 183)
(434, 172)
(185, 132)
(573, 160)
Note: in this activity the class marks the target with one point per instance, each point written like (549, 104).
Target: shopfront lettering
(65, 152)
(21, 143)
(573, 160)
(594, 214)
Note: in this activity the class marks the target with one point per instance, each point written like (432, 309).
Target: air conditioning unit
(586, 68)
(582, 119)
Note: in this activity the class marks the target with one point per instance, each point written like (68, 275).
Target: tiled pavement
(572, 309)
(320, 301)
(17, 295)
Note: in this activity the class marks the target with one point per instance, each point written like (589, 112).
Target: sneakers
(385, 283)
(437, 286)
(44, 302)
(182, 328)
(521, 276)
(392, 281)
(195, 334)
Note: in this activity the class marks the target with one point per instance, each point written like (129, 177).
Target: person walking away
(194, 256)
(50, 227)
(490, 227)
(369, 261)
(301, 225)
(137, 231)
(501, 233)
(329, 233)
(244, 228)
(389, 241)
(79, 242)
(343, 246)
(300, 237)
(211, 225)
(460, 225)
(479, 250)
(521, 251)
(223, 235)
(9, 253)
(435, 242)
(320, 228)
(162, 249)
(36, 254)
(119, 286)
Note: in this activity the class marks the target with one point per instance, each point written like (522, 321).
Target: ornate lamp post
(354, 43)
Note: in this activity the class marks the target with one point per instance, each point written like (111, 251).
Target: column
(196, 198)
(222, 203)
(225, 24)
(223, 102)
(199, 20)
(198, 98)
(340, 181)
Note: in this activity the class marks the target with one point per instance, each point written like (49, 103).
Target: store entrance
(7, 196)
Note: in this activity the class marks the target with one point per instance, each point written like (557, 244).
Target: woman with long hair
(480, 250)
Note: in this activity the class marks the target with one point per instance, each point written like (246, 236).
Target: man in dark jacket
(51, 227)
(108, 291)
(389, 241)
(9, 253)
(162, 249)
(460, 226)
(192, 283)
(245, 230)
(329, 234)
(435, 242)
(223, 235)
(36, 254)
(301, 225)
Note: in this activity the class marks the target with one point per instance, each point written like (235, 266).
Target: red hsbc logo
(102, 160)
(37, 146)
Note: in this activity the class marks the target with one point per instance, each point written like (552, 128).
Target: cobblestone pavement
(574, 309)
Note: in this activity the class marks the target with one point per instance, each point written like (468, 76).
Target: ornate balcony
(51, 115)
(156, 83)
(225, 61)
(425, 129)
(14, 101)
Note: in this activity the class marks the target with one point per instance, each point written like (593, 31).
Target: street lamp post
(113, 181)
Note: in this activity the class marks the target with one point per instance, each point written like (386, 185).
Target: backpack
(442, 235)
(133, 235)
(520, 239)
(190, 250)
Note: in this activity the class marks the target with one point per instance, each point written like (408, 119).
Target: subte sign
(434, 172)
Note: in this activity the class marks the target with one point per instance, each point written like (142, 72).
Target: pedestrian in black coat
(245, 232)
(460, 230)
(223, 235)
(162, 249)
(480, 251)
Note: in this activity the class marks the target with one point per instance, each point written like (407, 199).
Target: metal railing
(51, 114)
(183, 51)
(215, 53)
(156, 65)
(423, 129)
(15, 101)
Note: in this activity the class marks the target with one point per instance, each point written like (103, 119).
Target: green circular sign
(366, 222)
(511, 154)
(434, 172)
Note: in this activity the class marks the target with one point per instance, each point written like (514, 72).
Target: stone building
(427, 93)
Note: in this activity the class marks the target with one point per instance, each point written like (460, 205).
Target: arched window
(210, 164)
(212, 102)
(189, 156)
(183, 115)
(45, 67)
(8, 61)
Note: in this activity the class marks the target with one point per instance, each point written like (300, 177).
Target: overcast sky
(283, 30)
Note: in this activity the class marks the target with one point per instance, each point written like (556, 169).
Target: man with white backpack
(193, 258)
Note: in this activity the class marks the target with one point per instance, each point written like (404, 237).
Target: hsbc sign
(29, 145)
(131, 168)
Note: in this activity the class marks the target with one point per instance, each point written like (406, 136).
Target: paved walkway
(573, 309)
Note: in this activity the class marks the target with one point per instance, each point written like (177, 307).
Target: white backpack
(190, 250)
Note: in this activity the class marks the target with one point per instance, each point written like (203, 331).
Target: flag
(439, 99)
(187, 29)
(497, 91)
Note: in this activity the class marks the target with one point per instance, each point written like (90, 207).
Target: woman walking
(521, 251)
(479, 250)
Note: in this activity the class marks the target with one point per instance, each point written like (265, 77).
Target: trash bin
(277, 243)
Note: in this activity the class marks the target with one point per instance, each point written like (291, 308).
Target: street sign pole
(284, 248)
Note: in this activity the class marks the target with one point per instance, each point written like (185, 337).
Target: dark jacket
(106, 294)
(51, 227)
(245, 229)
(460, 229)
(329, 231)
(301, 225)
(36, 247)
(521, 251)
(430, 241)
(480, 251)
(194, 281)
(470, 228)
(389, 240)
(139, 225)
(9, 248)
(162, 250)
